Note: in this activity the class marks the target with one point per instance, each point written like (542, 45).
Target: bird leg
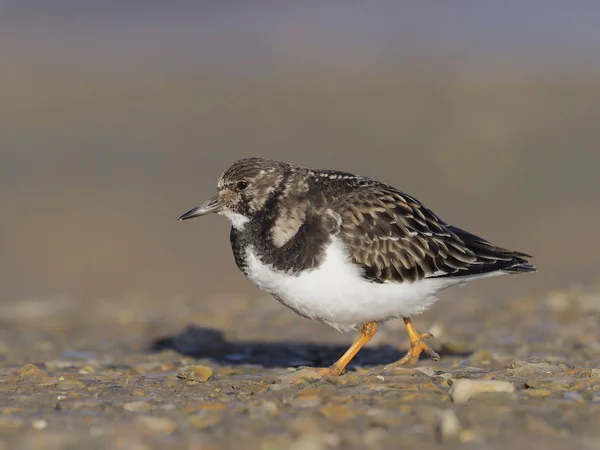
(368, 331)
(416, 346)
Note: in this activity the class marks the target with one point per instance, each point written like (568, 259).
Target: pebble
(32, 372)
(463, 390)
(306, 401)
(339, 413)
(320, 441)
(39, 424)
(448, 426)
(573, 396)
(532, 371)
(481, 357)
(156, 424)
(555, 383)
(299, 376)
(537, 393)
(70, 385)
(200, 374)
(59, 364)
(138, 406)
(203, 421)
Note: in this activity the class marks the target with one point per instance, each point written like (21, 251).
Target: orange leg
(367, 332)
(417, 346)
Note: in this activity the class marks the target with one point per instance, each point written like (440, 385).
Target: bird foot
(417, 346)
(327, 372)
(323, 372)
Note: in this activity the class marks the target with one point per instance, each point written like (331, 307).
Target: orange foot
(417, 346)
(332, 371)
(338, 368)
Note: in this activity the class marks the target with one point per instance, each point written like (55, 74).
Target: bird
(347, 250)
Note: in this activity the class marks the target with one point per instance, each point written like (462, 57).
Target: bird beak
(212, 205)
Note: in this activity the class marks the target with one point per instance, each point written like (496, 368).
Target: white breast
(336, 294)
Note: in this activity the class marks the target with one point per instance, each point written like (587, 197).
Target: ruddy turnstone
(347, 250)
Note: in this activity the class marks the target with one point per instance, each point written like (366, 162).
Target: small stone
(70, 385)
(39, 424)
(469, 373)
(339, 413)
(299, 376)
(32, 372)
(595, 373)
(447, 426)
(213, 406)
(87, 368)
(573, 396)
(200, 374)
(463, 390)
(59, 364)
(531, 371)
(426, 370)
(303, 424)
(316, 441)
(47, 382)
(269, 408)
(203, 421)
(306, 401)
(537, 393)
(168, 407)
(482, 357)
(156, 424)
(137, 406)
(137, 392)
(555, 383)
(308, 391)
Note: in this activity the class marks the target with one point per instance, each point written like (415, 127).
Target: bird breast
(337, 294)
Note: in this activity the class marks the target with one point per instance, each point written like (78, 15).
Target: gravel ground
(130, 374)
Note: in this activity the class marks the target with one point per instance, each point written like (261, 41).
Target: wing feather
(395, 238)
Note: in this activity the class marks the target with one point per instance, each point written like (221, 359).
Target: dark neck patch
(303, 251)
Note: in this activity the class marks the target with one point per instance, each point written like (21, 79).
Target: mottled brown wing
(393, 237)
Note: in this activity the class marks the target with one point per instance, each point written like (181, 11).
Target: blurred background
(115, 118)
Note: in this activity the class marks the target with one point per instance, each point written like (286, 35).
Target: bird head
(243, 190)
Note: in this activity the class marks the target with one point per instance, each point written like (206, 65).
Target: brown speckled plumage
(347, 250)
(389, 234)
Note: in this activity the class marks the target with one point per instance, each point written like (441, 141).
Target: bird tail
(521, 264)
(492, 258)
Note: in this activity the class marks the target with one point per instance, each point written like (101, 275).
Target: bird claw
(332, 371)
(416, 348)
(323, 372)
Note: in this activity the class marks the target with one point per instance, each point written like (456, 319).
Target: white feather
(237, 220)
(336, 294)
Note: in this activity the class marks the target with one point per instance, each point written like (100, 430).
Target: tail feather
(491, 258)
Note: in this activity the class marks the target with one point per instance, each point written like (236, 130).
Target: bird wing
(394, 238)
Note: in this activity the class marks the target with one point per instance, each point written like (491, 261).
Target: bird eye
(242, 185)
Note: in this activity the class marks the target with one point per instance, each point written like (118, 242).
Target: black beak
(212, 205)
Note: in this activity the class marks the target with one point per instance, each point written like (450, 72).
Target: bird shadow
(210, 343)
